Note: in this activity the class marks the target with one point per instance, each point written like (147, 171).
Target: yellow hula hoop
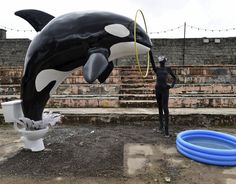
(135, 44)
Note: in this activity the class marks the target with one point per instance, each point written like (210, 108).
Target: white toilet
(33, 140)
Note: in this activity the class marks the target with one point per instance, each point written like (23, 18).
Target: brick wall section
(12, 51)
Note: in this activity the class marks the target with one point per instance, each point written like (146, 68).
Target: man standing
(162, 91)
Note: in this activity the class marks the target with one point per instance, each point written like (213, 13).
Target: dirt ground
(106, 154)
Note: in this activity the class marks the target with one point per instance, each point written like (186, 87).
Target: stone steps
(137, 88)
(150, 74)
(126, 90)
(188, 70)
(18, 71)
(179, 96)
(204, 88)
(185, 102)
(133, 100)
(196, 86)
(69, 80)
(80, 80)
(13, 76)
(181, 89)
(69, 89)
(76, 101)
(206, 117)
(88, 89)
(185, 74)
(73, 79)
(225, 79)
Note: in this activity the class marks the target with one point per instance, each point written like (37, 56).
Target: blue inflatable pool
(207, 146)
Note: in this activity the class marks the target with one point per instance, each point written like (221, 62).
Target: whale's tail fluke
(36, 18)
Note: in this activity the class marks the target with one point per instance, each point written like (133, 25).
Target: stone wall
(12, 51)
(3, 34)
(191, 51)
(197, 51)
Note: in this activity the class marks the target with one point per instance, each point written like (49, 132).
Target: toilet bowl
(33, 140)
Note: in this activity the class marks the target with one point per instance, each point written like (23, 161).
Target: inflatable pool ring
(135, 44)
(207, 146)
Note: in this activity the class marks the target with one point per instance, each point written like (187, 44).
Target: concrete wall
(191, 51)
(12, 51)
(3, 34)
(197, 51)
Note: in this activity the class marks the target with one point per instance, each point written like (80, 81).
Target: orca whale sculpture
(88, 39)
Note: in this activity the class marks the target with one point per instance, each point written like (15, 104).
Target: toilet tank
(12, 110)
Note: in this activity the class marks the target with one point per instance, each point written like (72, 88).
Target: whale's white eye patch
(118, 30)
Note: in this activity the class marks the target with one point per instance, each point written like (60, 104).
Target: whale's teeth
(118, 30)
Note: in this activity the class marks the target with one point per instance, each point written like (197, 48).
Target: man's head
(162, 59)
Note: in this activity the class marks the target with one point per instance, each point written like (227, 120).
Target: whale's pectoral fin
(105, 74)
(36, 18)
(94, 67)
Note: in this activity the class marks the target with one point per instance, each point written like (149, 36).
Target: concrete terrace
(207, 92)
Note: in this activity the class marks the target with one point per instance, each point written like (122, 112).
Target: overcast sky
(161, 15)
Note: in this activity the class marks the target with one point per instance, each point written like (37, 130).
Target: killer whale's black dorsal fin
(38, 19)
